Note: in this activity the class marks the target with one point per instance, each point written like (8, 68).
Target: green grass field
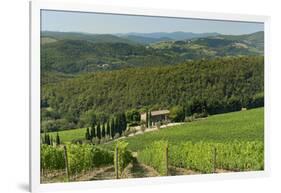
(243, 126)
(46, 40)
(69, 135)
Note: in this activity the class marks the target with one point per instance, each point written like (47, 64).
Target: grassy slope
(46, 40)
(69, 135)
(244, 125)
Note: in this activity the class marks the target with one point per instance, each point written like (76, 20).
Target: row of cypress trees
(117, 125)
(48, 140)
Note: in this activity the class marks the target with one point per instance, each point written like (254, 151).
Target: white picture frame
(35, 8)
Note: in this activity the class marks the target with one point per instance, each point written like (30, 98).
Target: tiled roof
(161, 112)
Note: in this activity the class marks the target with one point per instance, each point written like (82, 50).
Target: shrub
(177, 114)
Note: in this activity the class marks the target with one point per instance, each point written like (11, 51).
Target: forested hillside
(211, 86)
(76, 56)
(75, 53)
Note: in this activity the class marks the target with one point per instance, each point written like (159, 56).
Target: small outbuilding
(156, 116)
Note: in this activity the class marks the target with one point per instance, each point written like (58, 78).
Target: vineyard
(200, 157)
(80, 159)
(229, 142)
(204, 157)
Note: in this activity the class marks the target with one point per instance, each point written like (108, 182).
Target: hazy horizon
(105, 23)
(132, 33)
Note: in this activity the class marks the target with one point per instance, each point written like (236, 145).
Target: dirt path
(139, 170)
(104, 173)
(54, 176)
(133, 170)
(139, 132)
(175, 171)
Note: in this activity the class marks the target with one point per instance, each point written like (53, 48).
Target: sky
(97, 23)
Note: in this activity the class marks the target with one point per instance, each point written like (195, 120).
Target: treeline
(204, 86)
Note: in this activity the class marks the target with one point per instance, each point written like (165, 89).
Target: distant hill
(145, 40)
(95, 38)
(74, 53)
(75, 56)
(130, 38)
(218, 45)
(254, 39)
(172, 36)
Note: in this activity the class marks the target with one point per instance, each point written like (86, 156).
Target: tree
(150, 119)
(98, 131)
(89, 118)
(117, 125)
(107, 128)
(58, 139)
(233, 104)
(51, 140)
(47, 139)
(87, 135)
(256, 101)
(123, 122)
(177, 114)
(103, 130)
(133, 116)
(101, 117)
(146, 115)
(93, 132)
(112, 128)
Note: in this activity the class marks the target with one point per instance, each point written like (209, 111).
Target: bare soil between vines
(133, 170)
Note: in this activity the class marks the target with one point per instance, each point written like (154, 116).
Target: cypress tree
(58, 139)
(116, 124)
(87, 135)
(150, 121)
(93, 132)
(51, 140)
(146, 122)
(112, 128)
(123, 122)
(98, 131)
(103, 130)
(107, 128)
(47, 139)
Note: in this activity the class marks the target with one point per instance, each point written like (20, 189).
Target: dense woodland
(202, 86)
